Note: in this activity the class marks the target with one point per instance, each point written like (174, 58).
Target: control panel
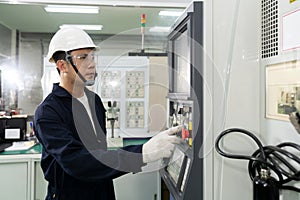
(177, 174)
(183, 172)
(181, 114)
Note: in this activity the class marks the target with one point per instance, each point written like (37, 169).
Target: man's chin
(89, 82)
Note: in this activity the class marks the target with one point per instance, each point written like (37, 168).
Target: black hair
(59, 55)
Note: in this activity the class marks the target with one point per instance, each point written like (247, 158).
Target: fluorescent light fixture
(83, 26)
(162, 29)
(72, 9)
(172, 13)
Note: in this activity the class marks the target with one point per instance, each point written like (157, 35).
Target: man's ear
(61, 66)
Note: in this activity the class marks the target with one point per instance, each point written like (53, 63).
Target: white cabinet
(14, 185)
(144, 186)
(40, 184)
(21, 178)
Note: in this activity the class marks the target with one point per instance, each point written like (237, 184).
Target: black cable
(274, 158)
(261, 158)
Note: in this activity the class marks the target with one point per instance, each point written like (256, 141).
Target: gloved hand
(161, 145)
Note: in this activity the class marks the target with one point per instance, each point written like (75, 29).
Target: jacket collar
(62, 92)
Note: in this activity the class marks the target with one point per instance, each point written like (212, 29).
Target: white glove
(161, 145)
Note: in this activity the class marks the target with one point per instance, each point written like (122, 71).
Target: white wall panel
(236, 90)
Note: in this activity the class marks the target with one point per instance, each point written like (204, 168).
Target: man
(70, 125)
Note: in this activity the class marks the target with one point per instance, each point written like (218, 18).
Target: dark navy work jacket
(75, 159)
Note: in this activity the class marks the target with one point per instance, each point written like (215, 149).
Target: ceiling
(121, 17)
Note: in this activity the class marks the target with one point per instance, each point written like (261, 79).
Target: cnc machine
(183, 175)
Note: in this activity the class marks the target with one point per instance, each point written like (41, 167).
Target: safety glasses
(82, 60)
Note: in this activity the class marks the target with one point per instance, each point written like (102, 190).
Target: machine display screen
(181, 63)
(175, 165)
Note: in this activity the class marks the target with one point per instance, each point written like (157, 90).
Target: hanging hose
(263, 161)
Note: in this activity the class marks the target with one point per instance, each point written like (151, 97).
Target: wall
(236, 39)
(5, 40)
(5, 62)
(31, 71)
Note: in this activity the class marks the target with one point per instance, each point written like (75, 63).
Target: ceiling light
(83, 26)
(170, 13)
(72, 9)
(163, 29)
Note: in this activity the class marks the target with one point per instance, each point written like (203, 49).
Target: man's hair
(59, 55)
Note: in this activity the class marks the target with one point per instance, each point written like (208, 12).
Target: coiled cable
(277, 159)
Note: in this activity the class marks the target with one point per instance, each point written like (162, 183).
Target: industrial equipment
(183, 173)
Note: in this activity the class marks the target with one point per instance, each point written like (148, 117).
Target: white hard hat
(68, 39)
